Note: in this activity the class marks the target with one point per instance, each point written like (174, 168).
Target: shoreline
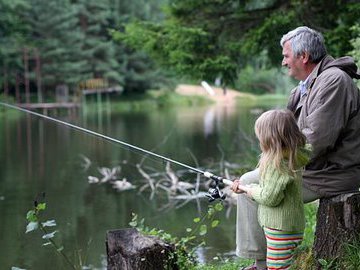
(218, 97)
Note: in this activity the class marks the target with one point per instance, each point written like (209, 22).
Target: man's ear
(305, 57)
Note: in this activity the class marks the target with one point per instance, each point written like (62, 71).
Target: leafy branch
(185, 246)
(35, 222)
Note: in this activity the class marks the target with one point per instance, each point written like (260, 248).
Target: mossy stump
(338, 223)
(127, 249)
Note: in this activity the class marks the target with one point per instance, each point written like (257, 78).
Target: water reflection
(41, 156)
(209, 119)
(215, 117)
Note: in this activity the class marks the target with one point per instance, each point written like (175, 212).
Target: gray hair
(304, 39)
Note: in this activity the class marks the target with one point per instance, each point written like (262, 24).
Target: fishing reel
(214, 191)
(214, 194)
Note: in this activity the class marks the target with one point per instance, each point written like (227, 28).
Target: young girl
(279, 192)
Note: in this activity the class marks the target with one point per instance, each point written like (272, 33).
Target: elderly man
(326, 105)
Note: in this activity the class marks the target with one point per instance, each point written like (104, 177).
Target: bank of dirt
(219, 96)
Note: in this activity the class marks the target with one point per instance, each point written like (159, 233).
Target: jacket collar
(319, 68)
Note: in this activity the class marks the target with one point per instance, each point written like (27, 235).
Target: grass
(4, 111)
(155, 99)
(303, 258)
(349, 260)
(264, 100)
(149, 101)
(233, 265)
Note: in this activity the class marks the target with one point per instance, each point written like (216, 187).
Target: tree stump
(127, 249)
(338, 222)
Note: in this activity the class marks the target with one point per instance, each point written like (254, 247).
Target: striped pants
(280, 247)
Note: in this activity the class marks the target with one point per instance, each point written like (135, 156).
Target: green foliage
(266, 37)
(153, 99)
(13, 32)
(334, 19)
(351, 258)
(204, 39)
(139, 72)
(10, 114)
(73, 43)
(326, 264)
(339, 37)
(58, 41)
(98, 49)
(264, 81)
(185, 246)
(12, 27)
(183, 49)
(356, 43)
(6, 99)
(226, 264)
(310, 217)
(304, 259)
(207, 39)
(35, 222)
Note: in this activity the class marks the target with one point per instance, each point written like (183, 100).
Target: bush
(356, 45)
(264, 81)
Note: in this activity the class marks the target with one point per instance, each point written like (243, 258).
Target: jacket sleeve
(293, 100)
(327, 113)
(272, 188)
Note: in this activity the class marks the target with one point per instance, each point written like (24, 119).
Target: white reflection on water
(209, 119)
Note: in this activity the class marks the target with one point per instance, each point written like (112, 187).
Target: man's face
(294, 64)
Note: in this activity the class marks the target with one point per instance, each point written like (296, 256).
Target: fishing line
(127, 146)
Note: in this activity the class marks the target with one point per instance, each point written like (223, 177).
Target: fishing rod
(213, 193)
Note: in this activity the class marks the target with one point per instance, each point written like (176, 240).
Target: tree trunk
(26, 75)
(127, 249)
(338, 222)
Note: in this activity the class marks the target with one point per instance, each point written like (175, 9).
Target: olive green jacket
(329, 116)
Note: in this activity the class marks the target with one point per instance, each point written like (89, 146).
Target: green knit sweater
(280, 198)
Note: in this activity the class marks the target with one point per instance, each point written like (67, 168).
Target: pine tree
(100, 50)
(140, 72)
(12, 37)
(57, 36)
(73, 41)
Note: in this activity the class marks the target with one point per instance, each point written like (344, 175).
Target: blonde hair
(280, 139)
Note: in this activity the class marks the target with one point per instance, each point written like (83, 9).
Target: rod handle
(227, 182)
(218, 178)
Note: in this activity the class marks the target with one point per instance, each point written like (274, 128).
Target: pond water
(39, 155)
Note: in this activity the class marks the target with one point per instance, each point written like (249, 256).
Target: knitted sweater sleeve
(270, 191)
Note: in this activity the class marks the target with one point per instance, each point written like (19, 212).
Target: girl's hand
(246, 189)
(236, 186)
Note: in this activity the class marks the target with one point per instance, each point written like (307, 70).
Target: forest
(141, 45)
